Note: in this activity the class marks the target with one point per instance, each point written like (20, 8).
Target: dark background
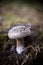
(22, 1)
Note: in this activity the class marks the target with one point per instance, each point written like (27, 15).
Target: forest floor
(10, 15)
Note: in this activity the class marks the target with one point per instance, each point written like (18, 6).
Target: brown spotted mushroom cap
(19, 32)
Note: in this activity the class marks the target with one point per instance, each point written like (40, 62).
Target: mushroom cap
(19, 32)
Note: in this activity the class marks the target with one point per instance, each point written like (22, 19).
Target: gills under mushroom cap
(19, 32)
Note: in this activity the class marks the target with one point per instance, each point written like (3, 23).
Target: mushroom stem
(20, 45)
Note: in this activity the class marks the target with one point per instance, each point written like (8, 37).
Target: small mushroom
(18, 33)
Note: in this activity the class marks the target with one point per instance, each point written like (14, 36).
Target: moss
(40, 37)
(3, 38)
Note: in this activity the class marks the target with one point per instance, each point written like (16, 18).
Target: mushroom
(18, 33)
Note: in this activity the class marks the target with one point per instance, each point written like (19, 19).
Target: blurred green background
(20, 11)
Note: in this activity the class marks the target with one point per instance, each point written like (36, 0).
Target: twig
(27, 58)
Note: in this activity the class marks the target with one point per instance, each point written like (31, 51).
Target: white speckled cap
(19, 32)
